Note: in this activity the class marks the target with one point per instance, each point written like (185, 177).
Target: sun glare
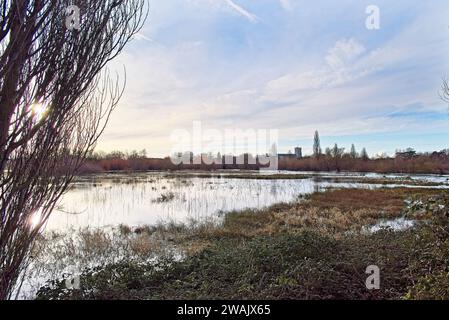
(39, 110)
(36, 219)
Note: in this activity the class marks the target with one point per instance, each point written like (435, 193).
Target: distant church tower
(298, 152)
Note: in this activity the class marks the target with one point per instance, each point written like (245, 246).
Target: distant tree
(353, 152)
(143, 154)
(97, 155)
(116, 155)
(382, 155)
(337, 152)
(408, 153)
(364, 155)
(317, 145)
(411, 151)
(328, 152)
(133, 155)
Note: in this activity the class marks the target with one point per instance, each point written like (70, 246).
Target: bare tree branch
(56, 97)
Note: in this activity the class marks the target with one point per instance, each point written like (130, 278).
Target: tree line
(336, 151)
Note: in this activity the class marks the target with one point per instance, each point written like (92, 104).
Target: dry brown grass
(95, 241)
(376, 181)
(142, 245)
(384, 200)
(350, 209)
(334, 212)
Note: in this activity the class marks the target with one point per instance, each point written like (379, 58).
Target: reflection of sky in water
(106, 200)
(137, 202)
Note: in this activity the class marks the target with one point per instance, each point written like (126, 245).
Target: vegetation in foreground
(318, 248)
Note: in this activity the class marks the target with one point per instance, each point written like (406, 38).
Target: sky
(292, 65)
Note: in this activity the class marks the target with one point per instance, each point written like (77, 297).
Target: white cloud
(344, 52)
(286, 4)
(344, 64)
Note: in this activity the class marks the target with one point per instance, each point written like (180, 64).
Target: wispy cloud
(141, 36)
(245, 13)
(226, 6)
(300, 70)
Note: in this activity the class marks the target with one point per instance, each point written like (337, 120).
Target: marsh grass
(165, 197)
(376, 181)
(313, 248)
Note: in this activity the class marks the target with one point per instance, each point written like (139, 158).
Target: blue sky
(293, 65)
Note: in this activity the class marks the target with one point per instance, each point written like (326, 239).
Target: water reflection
(103, 201)
(150, 198)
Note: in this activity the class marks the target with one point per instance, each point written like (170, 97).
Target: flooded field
(108, 218)
(150, 198)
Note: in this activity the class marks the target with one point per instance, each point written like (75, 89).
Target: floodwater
(109, 200)
(155, 197)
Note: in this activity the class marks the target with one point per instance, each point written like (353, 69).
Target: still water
(150, 198)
